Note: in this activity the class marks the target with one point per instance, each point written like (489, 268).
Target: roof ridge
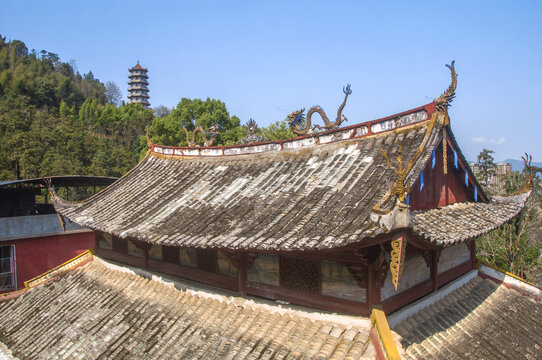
(384, 125)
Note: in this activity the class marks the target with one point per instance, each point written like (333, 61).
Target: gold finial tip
(443, 102)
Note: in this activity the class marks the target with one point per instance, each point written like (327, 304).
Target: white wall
(452, 256)
(415, 271)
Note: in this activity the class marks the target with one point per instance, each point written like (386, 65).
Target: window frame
(13, 268)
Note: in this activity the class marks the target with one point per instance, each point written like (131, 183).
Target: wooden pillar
(370, 284)
(242, 272)
(434, 269)
(145, 247)
(374, 285)
(472, 248)
(145, 258)
(96, 242)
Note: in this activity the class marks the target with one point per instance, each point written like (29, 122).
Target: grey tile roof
(312, 197)
(463, 221)
(99, 312)
(480, 320)
(308, 193)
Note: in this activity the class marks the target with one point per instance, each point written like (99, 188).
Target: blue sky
(267, 59)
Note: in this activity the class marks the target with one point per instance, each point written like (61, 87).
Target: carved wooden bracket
(382, 272)
(398, 252)
(427, 258)
(363, 255)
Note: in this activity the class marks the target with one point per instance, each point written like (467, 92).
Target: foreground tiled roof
(305, 196)
(98, 312)
(463, 221)
(480, 320)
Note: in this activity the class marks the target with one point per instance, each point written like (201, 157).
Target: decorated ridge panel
(399, 121)
(336, 136)
(311, 138)
(253, 149)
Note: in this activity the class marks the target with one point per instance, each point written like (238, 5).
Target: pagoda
(138, 90)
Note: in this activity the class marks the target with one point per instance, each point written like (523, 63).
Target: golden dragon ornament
(302, 126)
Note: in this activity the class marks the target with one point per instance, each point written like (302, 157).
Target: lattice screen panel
(299, 274)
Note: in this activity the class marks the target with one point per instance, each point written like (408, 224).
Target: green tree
(53, 121)
(512, 247)
(515, 246)
(168, 130)
(279, 130)
(486, 165)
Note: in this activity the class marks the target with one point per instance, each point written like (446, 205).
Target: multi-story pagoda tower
(138, 90)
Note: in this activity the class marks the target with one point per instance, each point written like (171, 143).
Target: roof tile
(310, 198)
(99, 312)
(464, 221)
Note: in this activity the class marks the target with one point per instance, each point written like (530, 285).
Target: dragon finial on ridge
(297, 118)
(212, 132)
(443, 102)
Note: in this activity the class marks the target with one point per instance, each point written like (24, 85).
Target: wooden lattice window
(207, 260)
(300, 274)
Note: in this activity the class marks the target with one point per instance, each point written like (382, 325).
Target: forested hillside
(55, 121)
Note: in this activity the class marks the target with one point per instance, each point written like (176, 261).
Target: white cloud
(483, 139)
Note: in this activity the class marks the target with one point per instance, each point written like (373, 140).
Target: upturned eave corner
(59, 203)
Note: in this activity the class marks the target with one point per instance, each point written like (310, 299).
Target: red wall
(34, 256)
(440, 189)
